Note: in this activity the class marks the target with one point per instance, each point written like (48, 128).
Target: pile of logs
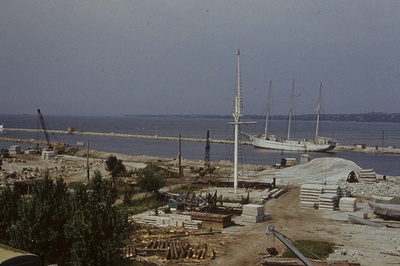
(174, 250)
(178, 249)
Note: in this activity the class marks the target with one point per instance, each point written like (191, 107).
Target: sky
(179, 57)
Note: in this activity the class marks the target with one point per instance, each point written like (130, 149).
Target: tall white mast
(318, 111)
(236, 115)
(268, 107)
(290, 110)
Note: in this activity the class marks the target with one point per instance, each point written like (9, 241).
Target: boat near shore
(318, 144)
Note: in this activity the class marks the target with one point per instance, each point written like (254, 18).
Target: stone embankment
(154, 137)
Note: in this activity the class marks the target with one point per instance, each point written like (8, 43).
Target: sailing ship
(318, 144)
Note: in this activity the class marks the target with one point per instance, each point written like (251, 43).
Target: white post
(236, 115)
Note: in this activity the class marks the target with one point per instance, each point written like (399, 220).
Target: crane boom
(46, 134)
(271, 230)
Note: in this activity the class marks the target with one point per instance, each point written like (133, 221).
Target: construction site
(219, 225)
(246, 215)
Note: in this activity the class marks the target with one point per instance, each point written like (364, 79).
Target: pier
(119, 135)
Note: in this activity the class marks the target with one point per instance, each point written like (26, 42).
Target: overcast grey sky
(95, 57)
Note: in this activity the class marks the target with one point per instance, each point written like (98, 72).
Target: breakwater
(344, 148)
(102, 134)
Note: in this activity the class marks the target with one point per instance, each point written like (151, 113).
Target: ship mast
(236, 116)
(290, 110)
(318, 111)
(268, 108)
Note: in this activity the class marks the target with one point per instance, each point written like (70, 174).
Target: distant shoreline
(372, 117)
(377, 117)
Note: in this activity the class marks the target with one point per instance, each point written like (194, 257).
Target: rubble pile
(327, 170)
(367, 190)
(34, 172)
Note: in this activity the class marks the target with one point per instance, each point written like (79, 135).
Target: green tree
(97, 230)
(103, 191)
(151, 178)
(9, 202)
(82, 227)
(42, 218)
(114, 166)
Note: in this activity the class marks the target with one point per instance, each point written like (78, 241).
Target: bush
(311, 249)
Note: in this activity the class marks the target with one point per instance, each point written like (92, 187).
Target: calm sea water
(347, 133)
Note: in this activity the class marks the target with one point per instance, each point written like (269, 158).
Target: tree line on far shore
(361, 117)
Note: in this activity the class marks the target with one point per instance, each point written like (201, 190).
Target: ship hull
(323, 145)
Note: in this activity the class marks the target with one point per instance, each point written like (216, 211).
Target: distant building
(15, 149)
(285, 162)
(360, 146)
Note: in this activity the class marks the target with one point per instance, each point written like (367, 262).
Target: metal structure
(271, 230)
(189, 201)
(207, 164)
(46, 134)
(180, 157)
(59, 147)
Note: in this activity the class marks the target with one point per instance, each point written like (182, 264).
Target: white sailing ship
(318, 144)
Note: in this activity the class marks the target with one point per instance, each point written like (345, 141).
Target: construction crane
(59, 147)
(41, 119)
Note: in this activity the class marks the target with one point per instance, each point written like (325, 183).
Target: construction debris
(348, 204)
(167, 244)
(254, 213)
(321, 196)
(328, 201)
(168, 220)
(188, 201)
(210, 220)
(367, 176)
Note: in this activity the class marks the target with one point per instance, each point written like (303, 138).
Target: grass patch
(311, 249)
(141, 205)
(190, 188)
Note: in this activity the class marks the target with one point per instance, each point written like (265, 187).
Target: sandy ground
(354, 243)
(245, 243)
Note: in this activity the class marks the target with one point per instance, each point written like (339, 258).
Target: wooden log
(212, 254)
(203, 255)
(168, 254)
(150, 244)
(190, 253)
(174, 251)
(195, 251)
